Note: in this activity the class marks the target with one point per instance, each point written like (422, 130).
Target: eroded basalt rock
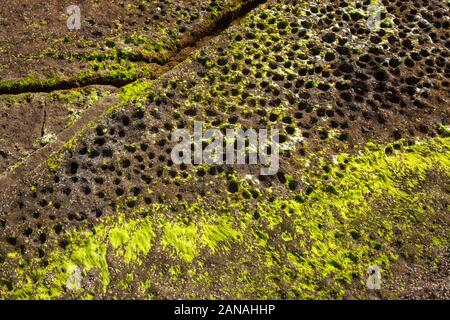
(363, 117)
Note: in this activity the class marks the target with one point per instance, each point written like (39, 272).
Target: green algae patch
(444, 131)
(92, 255)
(136, 90)
(126, 239)
(129, 240)
(309, 245)
(118, 237)
(182, 239)
(132, 239)
(186, 240)
(53, 162)
(214, 235)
